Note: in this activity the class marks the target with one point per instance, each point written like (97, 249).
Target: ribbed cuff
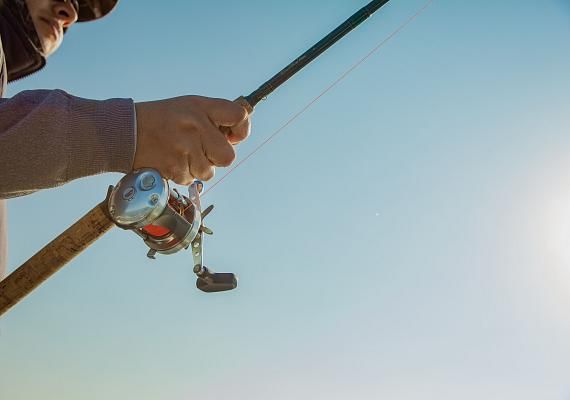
(103, 136)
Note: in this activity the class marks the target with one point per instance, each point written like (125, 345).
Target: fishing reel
(166, 220)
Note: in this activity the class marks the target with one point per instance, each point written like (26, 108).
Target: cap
(90, 10)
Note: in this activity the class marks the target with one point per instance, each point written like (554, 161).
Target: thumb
(225, 112)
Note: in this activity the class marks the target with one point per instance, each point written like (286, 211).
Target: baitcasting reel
(166, 220)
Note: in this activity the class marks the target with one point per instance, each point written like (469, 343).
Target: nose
(65, 12)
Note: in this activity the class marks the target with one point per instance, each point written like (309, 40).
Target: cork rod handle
(54, 256)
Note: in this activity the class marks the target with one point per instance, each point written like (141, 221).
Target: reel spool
(166, 220)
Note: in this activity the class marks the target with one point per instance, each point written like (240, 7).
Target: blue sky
(406, 238)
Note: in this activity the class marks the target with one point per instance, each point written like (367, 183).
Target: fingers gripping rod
(99, 220)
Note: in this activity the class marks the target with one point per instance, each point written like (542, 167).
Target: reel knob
(209, 281)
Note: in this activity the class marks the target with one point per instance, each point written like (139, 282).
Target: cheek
(49, 40)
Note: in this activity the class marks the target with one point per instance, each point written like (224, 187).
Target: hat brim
(90, 10)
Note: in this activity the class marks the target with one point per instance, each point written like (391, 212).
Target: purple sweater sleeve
(48, 138)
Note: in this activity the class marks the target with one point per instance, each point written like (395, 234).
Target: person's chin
(49, 47)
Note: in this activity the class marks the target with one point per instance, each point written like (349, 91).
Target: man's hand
(182, 137)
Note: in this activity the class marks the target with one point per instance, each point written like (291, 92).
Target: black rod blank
(278, 79)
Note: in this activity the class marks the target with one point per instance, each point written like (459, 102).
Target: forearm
(48, 138)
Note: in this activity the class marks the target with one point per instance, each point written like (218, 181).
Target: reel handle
(209, 281)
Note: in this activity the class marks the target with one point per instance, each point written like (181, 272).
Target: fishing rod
(261, 93)
(145, 203)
